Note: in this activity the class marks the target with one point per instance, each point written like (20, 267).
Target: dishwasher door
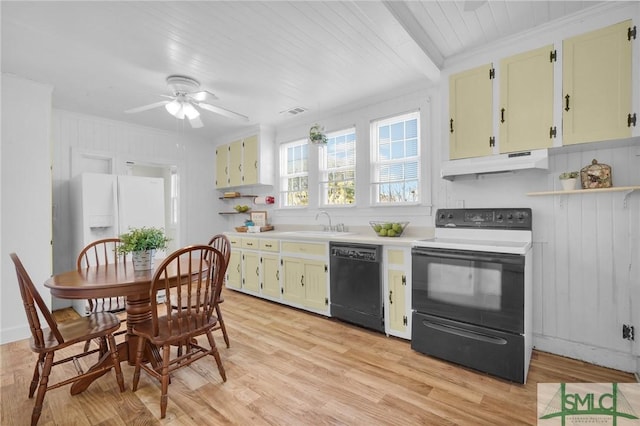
(356, 284)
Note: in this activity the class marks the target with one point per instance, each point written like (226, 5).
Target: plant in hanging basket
(142, 239)
(317, 135)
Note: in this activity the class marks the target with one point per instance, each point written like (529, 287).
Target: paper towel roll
(264, 200)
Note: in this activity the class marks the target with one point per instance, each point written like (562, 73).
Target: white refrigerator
(106, 206)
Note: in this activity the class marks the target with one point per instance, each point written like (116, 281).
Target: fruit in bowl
(388, 229)
(241, 209)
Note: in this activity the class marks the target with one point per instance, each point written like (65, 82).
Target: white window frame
(324, 170)
(377, 163)
(299, 173)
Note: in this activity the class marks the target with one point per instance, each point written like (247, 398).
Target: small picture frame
(259, 218)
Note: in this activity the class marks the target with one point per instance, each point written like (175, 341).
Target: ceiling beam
(408, 21)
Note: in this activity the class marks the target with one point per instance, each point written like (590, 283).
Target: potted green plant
(568, 180)
(142, 243)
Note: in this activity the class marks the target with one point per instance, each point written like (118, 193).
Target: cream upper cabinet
(250, 161)
(235, 163)
(222, 166)
(471, 112)
(596, 83)
(525, 113)
(247, 161)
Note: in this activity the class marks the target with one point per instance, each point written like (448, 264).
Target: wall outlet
(627, 332)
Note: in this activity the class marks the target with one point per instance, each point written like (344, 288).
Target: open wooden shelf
(585, 191)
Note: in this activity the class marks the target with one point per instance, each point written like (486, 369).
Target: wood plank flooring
(288, 367)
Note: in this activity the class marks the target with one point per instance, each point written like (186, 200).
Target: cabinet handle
(451, 125)
(302, 280)
(278, 275)
(566, 102)
(257, 271)
(390, 297)
(502, 115)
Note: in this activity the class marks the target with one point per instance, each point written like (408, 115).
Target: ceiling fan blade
(203, 95)
(146, 107)
(195, 122)
(223, 111)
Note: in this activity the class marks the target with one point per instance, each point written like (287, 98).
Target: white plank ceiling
(260, 58)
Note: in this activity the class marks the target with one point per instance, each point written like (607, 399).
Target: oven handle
(471, 255)
(465, 333)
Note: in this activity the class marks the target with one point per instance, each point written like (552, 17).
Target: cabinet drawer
(269, 245)
(234, 240)
(251, 243)
(316, 249)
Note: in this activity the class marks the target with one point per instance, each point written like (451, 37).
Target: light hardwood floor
(288, 367)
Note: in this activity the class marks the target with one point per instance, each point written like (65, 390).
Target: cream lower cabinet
(305, 275)
(397, 290)
(234, 269)
(270, 264)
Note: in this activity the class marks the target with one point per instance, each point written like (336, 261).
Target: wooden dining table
(115, 280)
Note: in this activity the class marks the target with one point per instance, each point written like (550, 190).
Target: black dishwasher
(356, 284)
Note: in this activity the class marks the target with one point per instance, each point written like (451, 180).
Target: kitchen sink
(314, 233)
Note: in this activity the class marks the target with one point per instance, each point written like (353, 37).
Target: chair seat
(78, 330)
(191, 326)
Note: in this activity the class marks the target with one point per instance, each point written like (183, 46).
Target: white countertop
(361, 234)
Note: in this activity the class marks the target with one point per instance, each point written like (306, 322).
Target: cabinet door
(271, 275)
(234, 273)
(250, 160)
(222, 167)
(235, 163)
(397, 297)
(292, 272)
(526, 101)
(470, 108)
(314, 282)
(251, 271)
(596, 82)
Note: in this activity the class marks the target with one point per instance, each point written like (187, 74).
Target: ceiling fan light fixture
(173, 107)
(190, 111)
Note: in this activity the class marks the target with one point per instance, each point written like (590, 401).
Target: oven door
(480, 288)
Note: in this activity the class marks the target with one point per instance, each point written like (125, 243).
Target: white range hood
(537, 159)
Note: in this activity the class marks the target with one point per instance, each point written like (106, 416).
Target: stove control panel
(514, 218)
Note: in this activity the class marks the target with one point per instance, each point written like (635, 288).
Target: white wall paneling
(26, 196)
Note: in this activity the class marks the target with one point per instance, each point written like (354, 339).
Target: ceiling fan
(184, 100)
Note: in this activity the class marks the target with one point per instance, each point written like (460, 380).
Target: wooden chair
(46, 341)
(103, 252)
(222, 243)
(201, 273)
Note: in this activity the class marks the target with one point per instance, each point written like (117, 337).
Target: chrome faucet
(328, 217)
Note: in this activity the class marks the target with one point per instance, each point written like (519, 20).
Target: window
(395, 159)
(338, 169)
(294, 174)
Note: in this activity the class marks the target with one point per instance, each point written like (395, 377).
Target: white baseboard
(9, 335)
(599, 356)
